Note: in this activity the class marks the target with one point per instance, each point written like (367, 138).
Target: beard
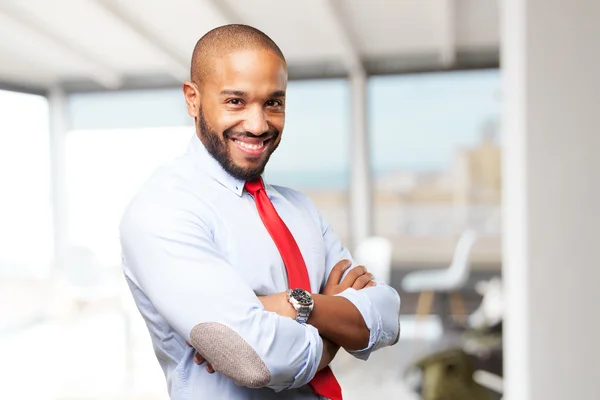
(218, 146)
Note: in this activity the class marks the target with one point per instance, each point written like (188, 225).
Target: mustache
(271, 133)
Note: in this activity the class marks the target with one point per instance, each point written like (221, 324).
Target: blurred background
(399, 121)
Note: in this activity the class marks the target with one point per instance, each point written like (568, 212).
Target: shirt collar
(211, 167)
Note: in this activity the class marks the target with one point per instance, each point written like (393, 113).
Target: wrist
(279, 304)
(302, 302)
(287, 309)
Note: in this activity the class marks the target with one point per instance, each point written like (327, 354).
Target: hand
(358, 278)
(330, 350)
(279, 304)
(198, 359)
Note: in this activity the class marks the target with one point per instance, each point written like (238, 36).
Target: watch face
(302, 296)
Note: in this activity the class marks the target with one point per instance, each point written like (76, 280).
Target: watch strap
(303, 312)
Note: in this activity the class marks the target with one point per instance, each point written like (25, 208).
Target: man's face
(240, 110)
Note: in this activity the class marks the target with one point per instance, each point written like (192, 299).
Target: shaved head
(227, 39)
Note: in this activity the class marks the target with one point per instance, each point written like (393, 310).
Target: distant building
(424, 212)
(435, 203)
(477, 171)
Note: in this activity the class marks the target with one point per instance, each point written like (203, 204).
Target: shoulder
(300, 200)
(171, 194)
(295, 196)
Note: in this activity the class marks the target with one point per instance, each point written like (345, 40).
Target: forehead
(248, 70)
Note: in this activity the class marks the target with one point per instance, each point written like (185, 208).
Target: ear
(192, 98)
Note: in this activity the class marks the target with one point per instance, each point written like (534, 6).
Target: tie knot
(254, 186)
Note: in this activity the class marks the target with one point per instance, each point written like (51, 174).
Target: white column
(58, 130)
(551, 172)
(360, 165)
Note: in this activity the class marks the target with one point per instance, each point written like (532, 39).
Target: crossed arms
(251, 340)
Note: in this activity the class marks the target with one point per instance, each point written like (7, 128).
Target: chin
(252, 171)
(249, 163)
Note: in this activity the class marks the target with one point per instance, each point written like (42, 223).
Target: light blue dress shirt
(195, 251)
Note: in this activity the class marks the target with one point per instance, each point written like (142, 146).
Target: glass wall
(436, 163)
(26, 235)
(25, 208)
(105, 168)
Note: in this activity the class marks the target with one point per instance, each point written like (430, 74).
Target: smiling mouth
(252, 148)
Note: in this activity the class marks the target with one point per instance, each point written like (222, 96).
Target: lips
(251, 147)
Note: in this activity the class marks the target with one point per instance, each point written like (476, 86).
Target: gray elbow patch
(230, 354)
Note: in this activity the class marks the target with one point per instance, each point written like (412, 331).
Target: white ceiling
(108, 44)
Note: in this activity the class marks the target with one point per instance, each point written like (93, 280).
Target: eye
(235, 102)
(274, 103)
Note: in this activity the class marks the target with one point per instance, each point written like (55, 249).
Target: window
(105, 168)
(26, 248)
(436, 162)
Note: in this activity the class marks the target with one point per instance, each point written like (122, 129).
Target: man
(210, 250)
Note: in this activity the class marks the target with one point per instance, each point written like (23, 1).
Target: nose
(255, 121)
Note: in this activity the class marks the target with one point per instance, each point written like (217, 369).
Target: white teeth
(250, 146)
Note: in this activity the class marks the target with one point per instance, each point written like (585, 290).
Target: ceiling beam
(23, 88)
(178, 64)
(334, 69)
(448, 33)
(99, 71)
(351, 58)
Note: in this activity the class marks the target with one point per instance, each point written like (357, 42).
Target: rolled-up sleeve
(170, 255)
(379, 305)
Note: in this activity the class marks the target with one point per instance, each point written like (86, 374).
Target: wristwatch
(302, 302)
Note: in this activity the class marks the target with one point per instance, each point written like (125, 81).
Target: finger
(362, 281)
(335, 276)
(371, 283)
(209, 369)
(198, 359)
(352, 276)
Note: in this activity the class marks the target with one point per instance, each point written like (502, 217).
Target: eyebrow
(227, 92)
(239, 93)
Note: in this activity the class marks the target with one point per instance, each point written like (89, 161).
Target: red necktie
(324, 382)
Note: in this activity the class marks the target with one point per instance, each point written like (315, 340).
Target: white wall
(551, 88)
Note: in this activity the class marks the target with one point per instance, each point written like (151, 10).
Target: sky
(415, 121)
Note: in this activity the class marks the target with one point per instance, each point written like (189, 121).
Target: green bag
(448, 375)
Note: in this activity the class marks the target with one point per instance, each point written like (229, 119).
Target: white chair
(447, 281)
(375, 253)
(491, 310)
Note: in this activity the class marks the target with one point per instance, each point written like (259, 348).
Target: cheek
(230, 123)
(278, 122)
(219, 120)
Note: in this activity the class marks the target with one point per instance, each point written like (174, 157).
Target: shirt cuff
(371, 317)
(314, 353)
